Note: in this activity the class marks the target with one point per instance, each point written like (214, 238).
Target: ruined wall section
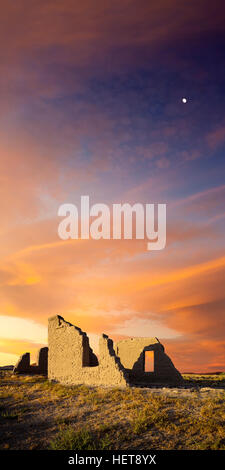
(72, 361)
(42, 361)
(67, 349)
(23, 365)
(131, 353)
(129, 350)
(111, 370)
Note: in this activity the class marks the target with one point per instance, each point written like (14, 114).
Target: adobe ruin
(23, 365)
(71, 360)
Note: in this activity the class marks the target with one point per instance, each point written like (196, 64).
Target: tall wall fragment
(72, 361)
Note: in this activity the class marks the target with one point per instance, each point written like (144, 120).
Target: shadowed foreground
(37, 414)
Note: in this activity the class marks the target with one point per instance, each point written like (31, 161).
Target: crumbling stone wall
(42, 361)
(23, 365)
(72, 361)
(131, 353)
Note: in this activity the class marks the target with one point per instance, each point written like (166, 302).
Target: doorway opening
(149, 361)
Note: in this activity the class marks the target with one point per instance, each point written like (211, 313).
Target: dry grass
(37, 414)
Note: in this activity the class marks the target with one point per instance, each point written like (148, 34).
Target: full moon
(184, 100)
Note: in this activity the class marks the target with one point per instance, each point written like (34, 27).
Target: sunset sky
(91, 104)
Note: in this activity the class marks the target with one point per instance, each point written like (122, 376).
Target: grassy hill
(37, 414)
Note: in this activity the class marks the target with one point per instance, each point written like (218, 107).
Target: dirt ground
(37, 414)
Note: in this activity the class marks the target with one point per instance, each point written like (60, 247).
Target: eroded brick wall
(72, 361)
(132, 356)
(23, 365)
